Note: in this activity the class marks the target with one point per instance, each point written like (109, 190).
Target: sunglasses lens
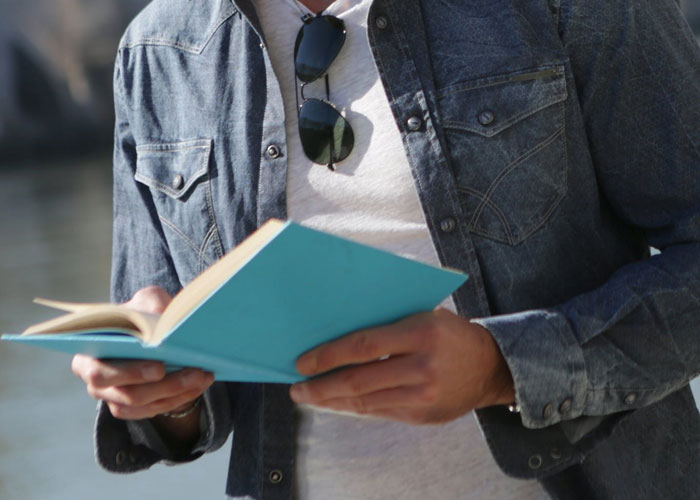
(325, 134)
(318, 43)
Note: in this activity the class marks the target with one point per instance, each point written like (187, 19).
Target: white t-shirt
(370, 198)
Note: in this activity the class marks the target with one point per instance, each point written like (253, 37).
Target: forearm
(624, 345)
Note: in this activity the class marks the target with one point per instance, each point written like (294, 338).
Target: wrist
(184, 410)
(499, 387)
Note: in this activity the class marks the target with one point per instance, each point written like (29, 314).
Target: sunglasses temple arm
(332, 139)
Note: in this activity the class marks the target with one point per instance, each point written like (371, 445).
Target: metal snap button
(535, 462)
(548, 411)
(630, 398)
(381, 22)
(565, 406)
(448, 224)
(273, 151)
(275, 476)
(486, 117)
(414, 123)
(178, 181)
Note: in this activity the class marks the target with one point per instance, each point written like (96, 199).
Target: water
(55, 237)
(55, 242)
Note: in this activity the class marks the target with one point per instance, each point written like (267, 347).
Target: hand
(425, 369)
(141, 389)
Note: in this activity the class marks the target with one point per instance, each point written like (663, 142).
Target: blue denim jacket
(558, 140)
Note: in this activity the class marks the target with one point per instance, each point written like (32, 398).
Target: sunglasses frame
(321, 70)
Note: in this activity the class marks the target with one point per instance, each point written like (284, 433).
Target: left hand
(428, 368)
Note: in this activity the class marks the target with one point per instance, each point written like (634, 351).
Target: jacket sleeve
(635, 339)
(141, 258)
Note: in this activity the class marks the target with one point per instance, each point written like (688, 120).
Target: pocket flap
(172, 167)
(489, 106)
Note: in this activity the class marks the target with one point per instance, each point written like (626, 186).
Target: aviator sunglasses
(326, 136)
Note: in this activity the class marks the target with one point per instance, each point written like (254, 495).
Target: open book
(281, 292)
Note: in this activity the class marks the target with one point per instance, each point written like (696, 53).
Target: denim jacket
(557, 141)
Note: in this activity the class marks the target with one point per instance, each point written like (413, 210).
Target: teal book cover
(296, 289)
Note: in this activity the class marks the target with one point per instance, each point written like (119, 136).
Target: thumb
(151, 299)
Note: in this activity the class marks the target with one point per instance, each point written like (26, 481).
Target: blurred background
(56, 118)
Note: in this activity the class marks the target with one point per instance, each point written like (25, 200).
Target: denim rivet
(275, 476)
(273, 151)
(548, 411)
(447, 225)
(555, 453)
(121, 457)
(565, 406)
(535, 462)
(630, 398)
(381, 22)
(178, 181)
(414, 123)
(486, 117)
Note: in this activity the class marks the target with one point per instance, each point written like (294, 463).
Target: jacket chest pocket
(179, 180)
(507, 146)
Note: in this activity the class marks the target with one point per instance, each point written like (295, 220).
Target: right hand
(135, 390)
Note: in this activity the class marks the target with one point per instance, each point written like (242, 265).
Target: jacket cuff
(546, 363)
(128, 446)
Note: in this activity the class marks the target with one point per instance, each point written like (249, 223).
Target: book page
(96, 317)
(203, 285)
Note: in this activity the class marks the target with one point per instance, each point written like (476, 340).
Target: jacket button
(275, 476)
(630, 398)
(548, 411)
(535, 462)
(565, 406)
(273, 151)
(381, 22)
(178, 181)
(447, 225)
(486, 117)
(414, 123)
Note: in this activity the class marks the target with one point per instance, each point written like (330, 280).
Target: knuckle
(431, 335)
(117, 410)
(127, 396)
(428, 395)
(364, 346)
(93, 392)
(92, 375)
(352, 383)
(359, 406)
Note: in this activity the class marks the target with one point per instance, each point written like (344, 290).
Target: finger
(363, 346)
(363, 379)
(405, 401)
(158, 407)
(99, 373)
(173, 385)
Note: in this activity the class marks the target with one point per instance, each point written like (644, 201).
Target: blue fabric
(558, 140)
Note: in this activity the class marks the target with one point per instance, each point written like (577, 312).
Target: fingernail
(299, 393)
(307, 363)
(191, 379)
(152, 372)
